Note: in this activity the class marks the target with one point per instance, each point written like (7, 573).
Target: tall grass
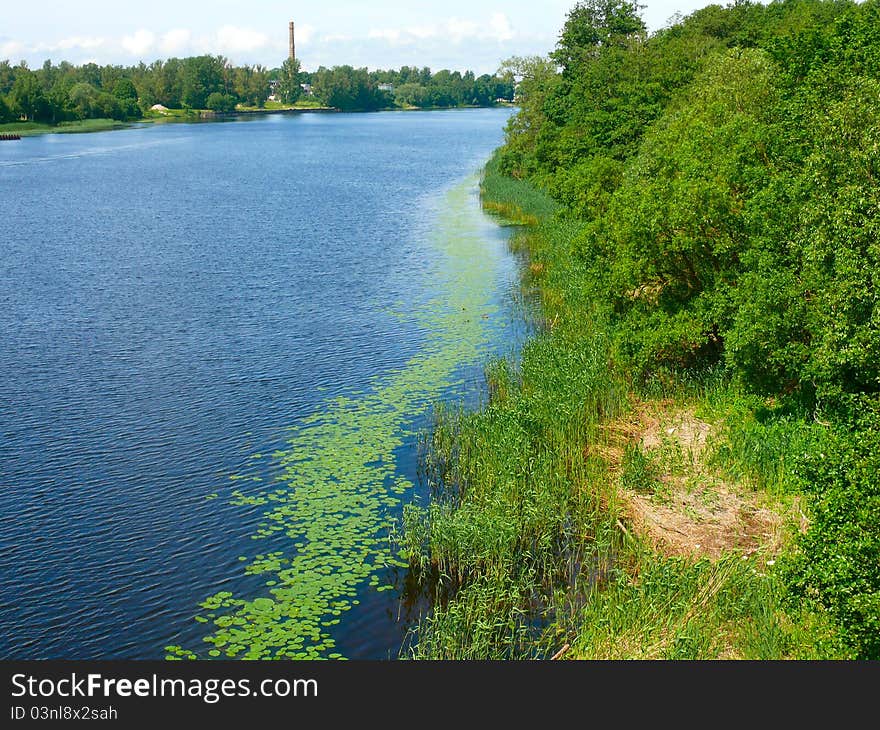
(675, 608)
(520, 512)
(760, 442)
(515, 201)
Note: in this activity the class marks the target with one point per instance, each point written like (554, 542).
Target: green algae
(337, 480)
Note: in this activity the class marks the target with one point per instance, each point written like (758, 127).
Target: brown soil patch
(690, 509)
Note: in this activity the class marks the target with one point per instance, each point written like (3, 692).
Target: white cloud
(334, 38)
(175, 41)
(386, 34)
(454, 30)
(500, 28)
(66, 44)
(304, 34)
(424, 31)
(231, 39)
(140, 43)
(458, 30)
(10, 49)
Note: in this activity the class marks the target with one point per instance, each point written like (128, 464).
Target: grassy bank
(582, 515)
(29, 129)
(277, 106)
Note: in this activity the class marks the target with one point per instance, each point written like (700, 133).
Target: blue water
(172, 300)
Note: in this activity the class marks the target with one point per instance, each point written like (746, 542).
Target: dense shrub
(723, 174)
(837, 564)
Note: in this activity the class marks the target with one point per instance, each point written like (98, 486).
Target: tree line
(724, 173)
(64, 92)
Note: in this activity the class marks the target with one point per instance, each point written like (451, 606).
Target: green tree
(220, 102)
(808, 317)
(125, 89)
(677, 229)
(348, 89)
(6, 114)
(164, 81)
(251, 85)
(127, 98)
(412, 94)
(592, 24)
(7, 77)
(84, 100)
(90, 73)
(200, 76)
(836, 566)
(534, 79)
(59, 101)
(29, 99)
(288, 81)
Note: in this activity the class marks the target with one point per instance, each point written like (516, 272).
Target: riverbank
(582, 515)
(32, 129)
(270, 108)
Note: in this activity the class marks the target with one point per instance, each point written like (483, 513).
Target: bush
(220, 102)
(6, 114)
(837, 563)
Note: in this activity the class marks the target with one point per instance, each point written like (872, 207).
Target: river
(218, 344)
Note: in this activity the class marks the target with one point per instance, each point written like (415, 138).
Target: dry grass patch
(677, 501)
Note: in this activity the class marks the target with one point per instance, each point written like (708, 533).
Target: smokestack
(292, 44)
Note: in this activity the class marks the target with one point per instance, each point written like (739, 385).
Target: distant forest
(64, 92)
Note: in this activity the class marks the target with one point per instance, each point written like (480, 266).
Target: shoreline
(86, 126)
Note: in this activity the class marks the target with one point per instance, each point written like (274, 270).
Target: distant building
(307, 89)
(386, 87)
(273, 89)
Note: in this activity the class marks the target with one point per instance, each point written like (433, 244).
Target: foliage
(837, 564)
(535, 78)
(29, 100)
(289, 88)
(352, 89)
(220, 102)
(594, 24)
(6, 114)
(348, 89)
(55, 94)
(199, 77)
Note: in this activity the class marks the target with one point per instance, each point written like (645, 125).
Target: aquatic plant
(337, 487)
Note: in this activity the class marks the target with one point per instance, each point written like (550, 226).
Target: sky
(453, 34)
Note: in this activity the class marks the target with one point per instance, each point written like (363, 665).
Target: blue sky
(454, 34)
